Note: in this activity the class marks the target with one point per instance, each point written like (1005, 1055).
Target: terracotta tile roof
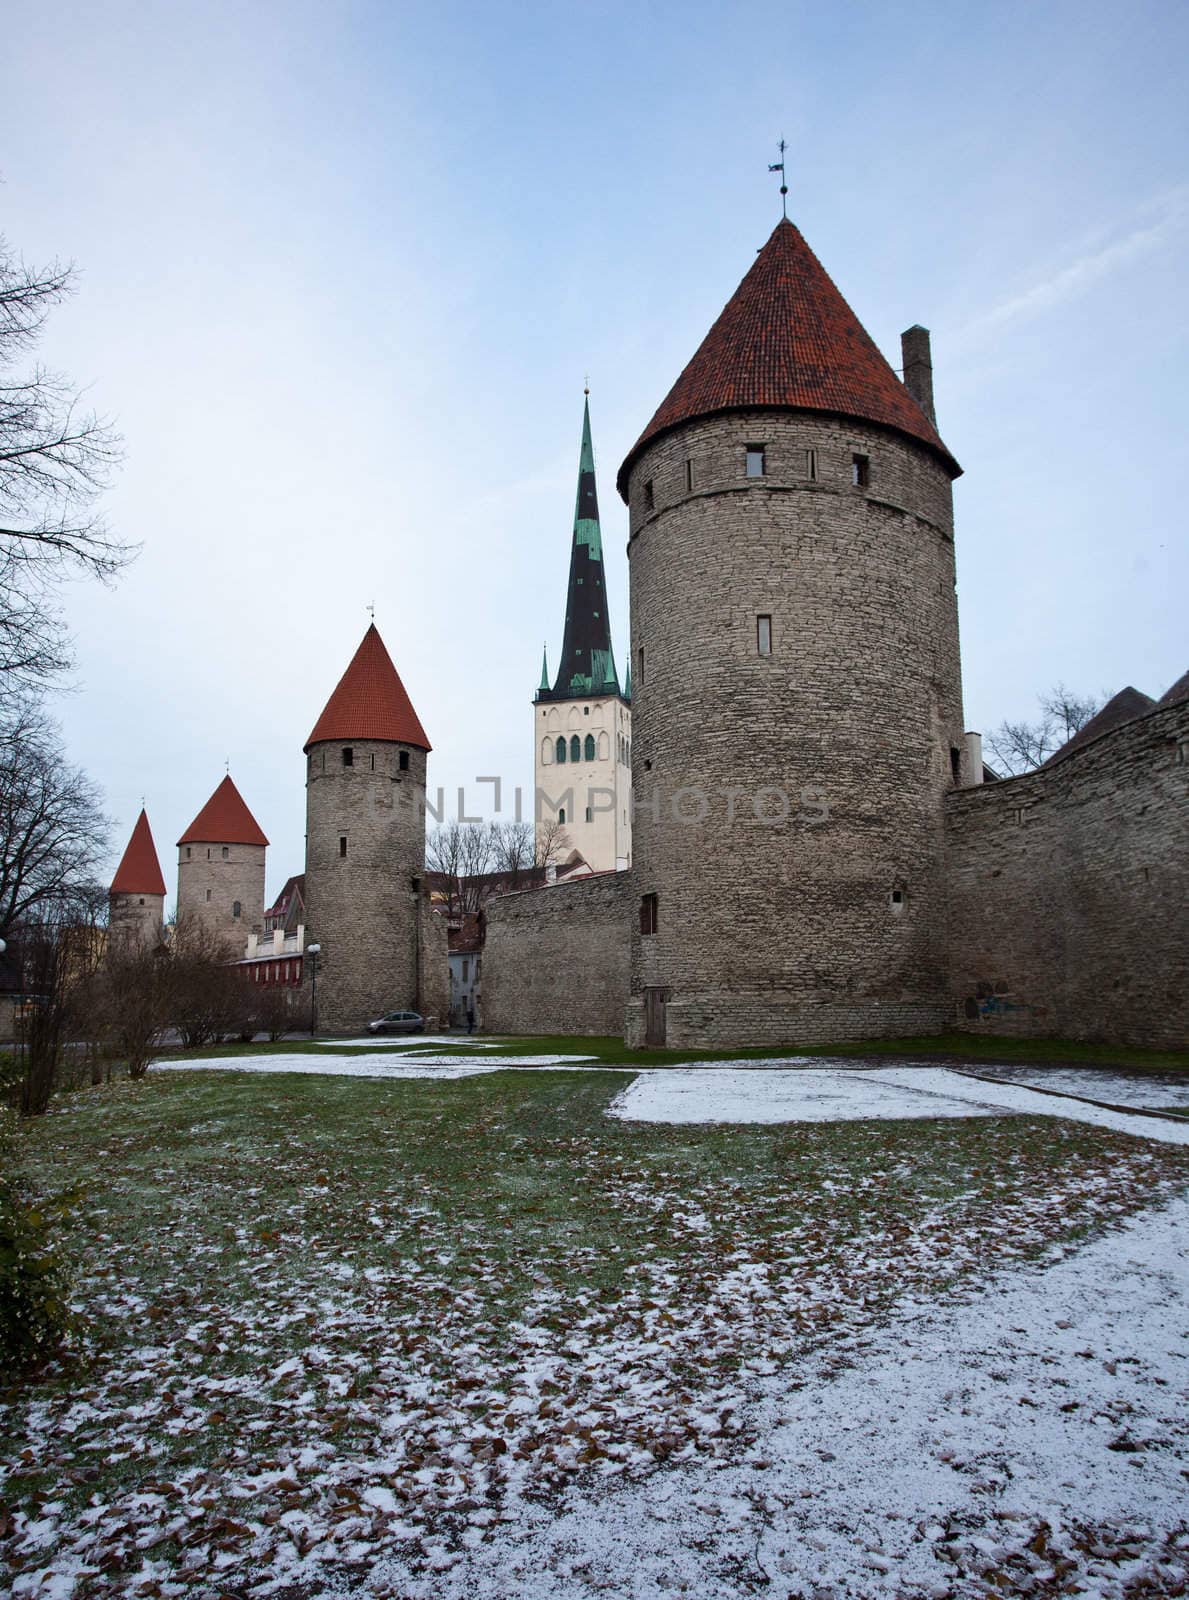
(370, 702)
(788, 338)
(224, 819)
(139, 871)
(1124, 707)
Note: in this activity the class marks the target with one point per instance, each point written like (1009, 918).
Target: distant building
(583, 720)
(137, 894)
(221, 868)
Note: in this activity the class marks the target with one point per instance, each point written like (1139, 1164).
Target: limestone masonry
(788, 826)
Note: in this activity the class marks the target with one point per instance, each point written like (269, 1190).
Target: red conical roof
(139, 871)
(370, 702)
(785, 338)
(224, 819)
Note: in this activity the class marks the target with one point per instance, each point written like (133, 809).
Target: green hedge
(34, 1314)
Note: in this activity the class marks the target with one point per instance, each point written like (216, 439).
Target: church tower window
(560, 751)
(575, 748)
(589, 747)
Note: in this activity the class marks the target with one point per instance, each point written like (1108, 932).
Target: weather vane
(586, 383)
(371, 611)
(778, 166)
(227, 766)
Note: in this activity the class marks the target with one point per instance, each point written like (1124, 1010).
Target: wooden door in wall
(654, 1015)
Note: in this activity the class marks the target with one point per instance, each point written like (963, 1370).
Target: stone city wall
(556, 959)
(1068, 891)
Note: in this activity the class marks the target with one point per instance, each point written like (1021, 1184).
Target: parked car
(398, 1022)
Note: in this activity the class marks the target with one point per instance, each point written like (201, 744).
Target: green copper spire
(587, 662)
(544, 684)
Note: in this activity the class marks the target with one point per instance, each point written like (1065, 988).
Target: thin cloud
(1088, 269)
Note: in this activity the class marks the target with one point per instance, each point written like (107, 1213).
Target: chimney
(974, 759)
(918, 367)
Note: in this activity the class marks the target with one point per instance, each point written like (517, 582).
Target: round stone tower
(221, 868)
(796, 686)
(365, 843)
(137, 895)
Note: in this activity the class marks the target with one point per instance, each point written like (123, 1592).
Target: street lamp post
(313, 951)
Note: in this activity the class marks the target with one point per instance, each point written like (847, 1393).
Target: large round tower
(796, 686)
(365, 843)
(221, 868)
(137, 895)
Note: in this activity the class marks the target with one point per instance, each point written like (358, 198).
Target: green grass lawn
(334, 1315)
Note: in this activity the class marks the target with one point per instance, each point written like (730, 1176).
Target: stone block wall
(1068, 891)
(215, 878)
(788, 802)
(365, 858)
(556, 959)
(136, 921)
(433, 986)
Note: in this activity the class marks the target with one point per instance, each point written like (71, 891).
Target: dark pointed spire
(587, 662)
(544, 683)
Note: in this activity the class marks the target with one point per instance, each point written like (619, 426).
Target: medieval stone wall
(213, 879)
(1068, 891)
(136, 921)
(365, 857)
(556, 959)
(788, 806)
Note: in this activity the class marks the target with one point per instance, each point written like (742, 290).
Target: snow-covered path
(1045, 1418)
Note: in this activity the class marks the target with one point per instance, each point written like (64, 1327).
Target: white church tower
(584, 721)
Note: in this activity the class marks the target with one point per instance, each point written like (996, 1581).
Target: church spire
(587, 663)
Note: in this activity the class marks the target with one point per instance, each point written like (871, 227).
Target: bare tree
(205, 998)
(56, 457)
(53, 834)
(464, 853)
(59, 946)
(127, 1004)
(550, 842)
(1017, 747)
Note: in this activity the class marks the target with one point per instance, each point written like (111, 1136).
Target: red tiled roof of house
(139, 871)
(787, 338)
(370, 701)
(224, 819)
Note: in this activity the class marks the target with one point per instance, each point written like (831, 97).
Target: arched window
(575, 748)
(236, 908)
(589, 747)
(546, 751)
(560, 751)
(604, 747)
(561, 815)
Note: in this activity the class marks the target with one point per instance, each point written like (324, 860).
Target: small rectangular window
(764, 635)
(689, 474)
(342, 844)
(649, 497)
(373, 761)
(640, 669)
(403, 761)
(348, 756)
(811, 465)
(755, 461)
(226, 852)
(590, 813)
(648, 913)
(860, 471)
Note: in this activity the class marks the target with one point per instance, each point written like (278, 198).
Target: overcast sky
(343, 267)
